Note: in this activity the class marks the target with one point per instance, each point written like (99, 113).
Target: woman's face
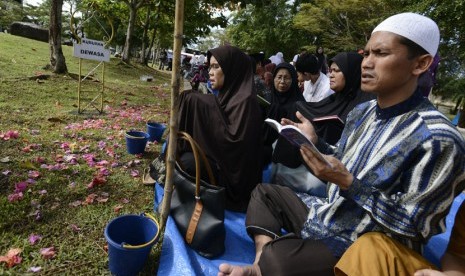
(337, 81)
(216, 74)
(282, 80)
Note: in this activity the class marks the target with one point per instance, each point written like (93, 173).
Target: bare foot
(234, 270)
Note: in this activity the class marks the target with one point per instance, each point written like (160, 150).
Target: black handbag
(197, 207)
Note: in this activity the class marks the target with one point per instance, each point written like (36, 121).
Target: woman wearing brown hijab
(227, 126)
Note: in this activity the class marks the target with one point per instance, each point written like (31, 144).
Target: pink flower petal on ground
(101, 145)
(98, 180)
(125, 200)
(134, 173)
(118, 208)
(102, 163)
(33, 238)
(48, 252)
(90, 198)
(64, 145)
(33, 174)
(104, 171)
(6, 172)
(11, 258)
(102, 199)
(35, 269)
(15, 197)
(40, 160)
(20, 187)
(42, 192)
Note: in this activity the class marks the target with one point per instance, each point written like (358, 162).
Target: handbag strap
(198, 152)
(198, 208)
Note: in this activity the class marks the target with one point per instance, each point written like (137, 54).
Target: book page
(295, 136)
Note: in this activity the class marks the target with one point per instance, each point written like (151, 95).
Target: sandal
(147, 179)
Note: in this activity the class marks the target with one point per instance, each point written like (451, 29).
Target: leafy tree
(266, 27)
(10, 11)
(342, 25)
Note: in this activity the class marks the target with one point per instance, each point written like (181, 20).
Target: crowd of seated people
(392, 162)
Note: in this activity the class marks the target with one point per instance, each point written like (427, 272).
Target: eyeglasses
(284, 79)
(334, 70)
(214, 66)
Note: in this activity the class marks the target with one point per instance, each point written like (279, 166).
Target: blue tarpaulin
(178, 259)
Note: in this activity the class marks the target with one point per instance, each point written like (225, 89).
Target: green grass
(51, 133)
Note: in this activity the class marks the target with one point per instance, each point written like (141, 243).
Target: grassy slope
(44, 114)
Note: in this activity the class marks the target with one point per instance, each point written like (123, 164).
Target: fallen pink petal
(35, 269)
(6, 172)
(48, 252)
(33, 238)
(11, 258)
(134, 173)
(15, 197)
(33, 174)
(20, 187)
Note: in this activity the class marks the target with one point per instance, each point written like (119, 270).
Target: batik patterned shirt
(408, 163)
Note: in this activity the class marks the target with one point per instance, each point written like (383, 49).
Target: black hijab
(339, 103)
(282, 106)
(228, 127)
(282, 103)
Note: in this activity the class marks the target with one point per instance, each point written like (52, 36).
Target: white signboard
(91, 49)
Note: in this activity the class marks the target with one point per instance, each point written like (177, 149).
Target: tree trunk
(143, 56)
(175, 87)
(57, 59)
(132, 21)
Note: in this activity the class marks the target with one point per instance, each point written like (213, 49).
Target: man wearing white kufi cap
(395, 170)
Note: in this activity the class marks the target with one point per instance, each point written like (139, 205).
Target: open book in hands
(295, 136)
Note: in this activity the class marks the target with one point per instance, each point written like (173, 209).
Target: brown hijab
(228, 127)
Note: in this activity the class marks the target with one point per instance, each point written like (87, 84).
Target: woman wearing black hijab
(344, 77)
(228, 126)
(284, 94)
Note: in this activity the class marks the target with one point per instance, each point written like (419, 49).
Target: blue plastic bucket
(136, 141)
(155, 130)
(130, 239)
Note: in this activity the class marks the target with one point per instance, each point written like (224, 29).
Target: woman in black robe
(284, 94)
(345, 98)
(228, 127)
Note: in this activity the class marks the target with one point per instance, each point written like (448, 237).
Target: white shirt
(317, 91)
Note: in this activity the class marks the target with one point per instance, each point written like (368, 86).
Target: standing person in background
(316, 84)
(162, 59)
(228, 127)
(320, 54)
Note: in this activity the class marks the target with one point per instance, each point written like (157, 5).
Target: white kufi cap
(418, 28)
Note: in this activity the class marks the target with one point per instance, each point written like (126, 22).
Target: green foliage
(265, 28)
(10, 11)
(341, 25)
